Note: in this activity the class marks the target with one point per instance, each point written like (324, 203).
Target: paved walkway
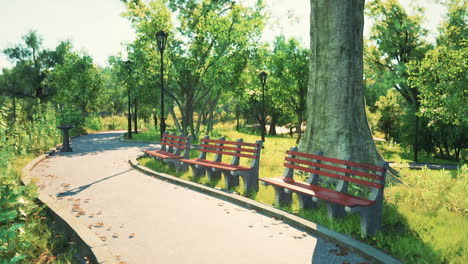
(146, 220)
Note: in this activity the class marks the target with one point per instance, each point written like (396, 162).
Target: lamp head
(263, 75)
(161, 37)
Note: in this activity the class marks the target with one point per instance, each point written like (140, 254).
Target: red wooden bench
(236, 149)
(345, 186)
(171, 150)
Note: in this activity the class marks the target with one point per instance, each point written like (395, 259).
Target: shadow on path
(77, 190)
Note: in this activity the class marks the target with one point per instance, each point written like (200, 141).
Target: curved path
(146, 220)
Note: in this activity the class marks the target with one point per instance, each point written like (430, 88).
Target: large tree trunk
(336, 117)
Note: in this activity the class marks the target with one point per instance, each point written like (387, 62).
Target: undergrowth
(26, 233)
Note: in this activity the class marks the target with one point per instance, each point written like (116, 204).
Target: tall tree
(78, 82)
(36, 63)
(289, 65)
(336, 117)
(441, 78)
(213, 34)
(399, 39)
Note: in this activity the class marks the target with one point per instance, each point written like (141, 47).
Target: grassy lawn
(424, 217)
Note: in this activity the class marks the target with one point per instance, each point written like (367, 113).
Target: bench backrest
(237, 149)
(176, 144)
(345, 171)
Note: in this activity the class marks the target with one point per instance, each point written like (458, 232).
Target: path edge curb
(367, 251)
(87, 241)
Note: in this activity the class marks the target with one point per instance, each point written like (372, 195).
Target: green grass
(424, 217)
(393, 152)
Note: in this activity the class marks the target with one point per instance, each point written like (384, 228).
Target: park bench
(236, 149)
(344, 185)
(171, 150)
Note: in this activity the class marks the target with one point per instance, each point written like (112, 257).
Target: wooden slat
(228, 153)
(174, 145)
(319, 192)
(177, 142)
(335, 168)
(337, 161)
(229, 148)
(229, 142)
(335, 176)
(215, 164)
(175, 137)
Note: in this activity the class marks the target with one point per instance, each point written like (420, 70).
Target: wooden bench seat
(217, 165)
(162, 154)
(319, 192)
(345, 186)
(171, 150)
(231, 171)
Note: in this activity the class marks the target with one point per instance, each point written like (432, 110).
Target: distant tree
(289, 65)
(389, 112)
(442, 79)
(212, 37)
(399, 39)
(78, 83)
(35, 63)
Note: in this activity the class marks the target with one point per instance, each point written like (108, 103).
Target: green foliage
(454, 31)
(32, 67)
(78, 83)
(289, 66)
(24, 236)
(441, 78)
(388, 112)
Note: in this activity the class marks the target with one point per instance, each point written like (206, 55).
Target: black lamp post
(161, 37)
(129, 132)
(263, 75)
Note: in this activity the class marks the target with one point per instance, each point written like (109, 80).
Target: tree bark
(135, 115)
(155, 119)
(336, 117)
(274, 119)
(299, 127)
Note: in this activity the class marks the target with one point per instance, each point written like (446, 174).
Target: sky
(97, 27)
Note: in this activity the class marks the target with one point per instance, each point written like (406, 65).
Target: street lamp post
(161, 37)
(263, 75)
(128, 64)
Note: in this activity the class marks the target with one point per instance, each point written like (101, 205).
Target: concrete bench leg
(305, 201)
(198, 172)
(371, 219)
(281, 197)
(230, 181)
(213, 175)
(181, 166)
(335, 211)
(250, 183)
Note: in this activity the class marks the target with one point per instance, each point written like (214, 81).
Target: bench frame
(338, 201)
(171, 150)
(231, 171)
